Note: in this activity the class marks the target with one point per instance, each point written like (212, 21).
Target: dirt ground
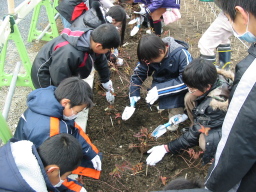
(124, 143)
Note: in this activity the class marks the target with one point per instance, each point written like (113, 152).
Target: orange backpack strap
(54, 126)
(72, 185)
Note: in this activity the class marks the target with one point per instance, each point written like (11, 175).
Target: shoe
(172, 127)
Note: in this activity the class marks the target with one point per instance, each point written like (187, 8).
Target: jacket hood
(174, 44)
(74, 35)
(43, 101)
(220, 93)
(21, 166)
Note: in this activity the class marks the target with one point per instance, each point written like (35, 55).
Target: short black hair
(228, 6)
(76, 90)
(118, 13)
(149, 46)
(62, 150)
(199, 74)
(182, 183)
(107, 35)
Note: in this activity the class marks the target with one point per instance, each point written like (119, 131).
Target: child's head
(74, 94)
(199, 76)
(182, 183)
(151, 49)
(104, 38)
(60, 154)
(118, 15)
(242, 15)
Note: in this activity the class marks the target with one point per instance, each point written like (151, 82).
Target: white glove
(96, 162)
(110, 97)
(133, 100)
(157, 153)
(108, 86)
(152, 95)
(109, 94)
(141, 12)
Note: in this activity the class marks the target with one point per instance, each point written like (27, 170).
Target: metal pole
(11, 91)
(10, 7)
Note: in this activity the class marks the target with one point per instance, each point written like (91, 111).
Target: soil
(124, 143)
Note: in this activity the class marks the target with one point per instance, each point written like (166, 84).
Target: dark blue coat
(167, 75)
(35, 123)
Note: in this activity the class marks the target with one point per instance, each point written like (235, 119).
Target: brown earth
(124, 143)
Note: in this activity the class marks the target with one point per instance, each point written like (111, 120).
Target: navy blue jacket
(153, 5)
(167, 75)
(35, 124)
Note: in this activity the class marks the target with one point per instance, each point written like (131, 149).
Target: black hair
(118, 13)
(107, 35)
(76, 90)
(228, 6)
(62, 150)
(149, 47)
(182, 183)
(199, 74)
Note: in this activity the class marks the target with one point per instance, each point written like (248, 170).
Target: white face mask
(73, 116)
(60, 182)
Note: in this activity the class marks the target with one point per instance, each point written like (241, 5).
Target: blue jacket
(16, 180)
(167, 75)
(44, 114)
(152, 5)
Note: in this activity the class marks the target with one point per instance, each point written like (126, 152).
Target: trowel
(128, 111)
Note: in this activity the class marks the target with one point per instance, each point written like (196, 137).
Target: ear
(98, 45)
(161, 51)
(242, 14)
(52, 170)
(64, 102)
(208, 88)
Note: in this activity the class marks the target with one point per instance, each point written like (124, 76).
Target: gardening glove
(152, 95)
(96, 162)
(133, 100)
(156, 154)
(109, 94)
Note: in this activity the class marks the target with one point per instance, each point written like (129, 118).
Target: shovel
(128, 111)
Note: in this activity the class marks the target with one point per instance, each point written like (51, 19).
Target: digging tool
(128, 111)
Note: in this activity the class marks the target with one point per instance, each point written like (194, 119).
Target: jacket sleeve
(89, 149)
(19, 132)
(175, 85)
(140, 73)
(154, 5)
(185, 141)
(101, 65)
(64, 65)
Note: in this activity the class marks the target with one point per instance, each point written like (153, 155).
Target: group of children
(55, 146)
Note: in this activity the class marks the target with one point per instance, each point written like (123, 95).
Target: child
(51, 111)
(116, 16)
(164, 59)
(25, 168)
(75, 53)
(217, 37)
(234, 166)
(70, 10)
(212, 92)
(156, 9)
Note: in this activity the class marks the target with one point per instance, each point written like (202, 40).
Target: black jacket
(234, 168)
(68, 55)
(209, 112)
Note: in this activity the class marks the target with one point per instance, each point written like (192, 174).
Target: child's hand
(96, 163)
(156, 154)
(152, 96)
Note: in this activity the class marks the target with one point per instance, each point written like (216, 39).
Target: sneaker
(172, 127)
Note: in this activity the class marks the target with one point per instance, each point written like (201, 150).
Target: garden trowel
(128, 111)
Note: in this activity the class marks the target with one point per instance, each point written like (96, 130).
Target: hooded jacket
(23, 171)
(167, 75)
(209, 112)
(44, 118)
(68, 55)
(72, 9)
(152, 5)
(234, 168)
